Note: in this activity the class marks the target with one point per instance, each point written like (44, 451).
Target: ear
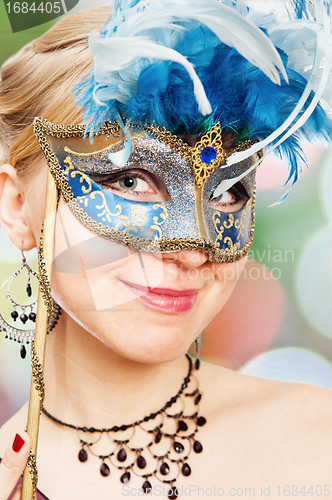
(12, 213)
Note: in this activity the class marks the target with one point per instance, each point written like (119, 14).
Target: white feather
(125, 50)
(266, 6)
(228, 25)
(120, 158)
(228, 183)
(137, 36)
(323, 49)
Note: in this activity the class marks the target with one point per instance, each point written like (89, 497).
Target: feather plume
(155, 20)
(125, 51)
(186, 64)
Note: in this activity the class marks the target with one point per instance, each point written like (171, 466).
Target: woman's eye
(231, 200)
(135, 184)
(226, 197)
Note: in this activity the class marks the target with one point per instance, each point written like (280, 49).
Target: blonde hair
(37, 82)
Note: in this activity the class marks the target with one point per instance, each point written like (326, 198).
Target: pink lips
(164, 299)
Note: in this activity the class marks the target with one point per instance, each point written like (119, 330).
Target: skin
(128, 360)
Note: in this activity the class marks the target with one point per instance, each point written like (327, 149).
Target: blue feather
(242, 97)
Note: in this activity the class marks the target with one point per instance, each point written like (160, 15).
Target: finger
(18, 493)
(13, 463)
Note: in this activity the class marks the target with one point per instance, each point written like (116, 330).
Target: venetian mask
(167, 195)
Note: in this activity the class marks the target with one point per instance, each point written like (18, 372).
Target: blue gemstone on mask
(208, 154)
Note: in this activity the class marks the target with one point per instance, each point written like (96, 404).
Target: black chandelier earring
(24, 313)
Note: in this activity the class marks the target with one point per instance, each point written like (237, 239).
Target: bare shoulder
(275, 432)
(16, 424)
(306, 405)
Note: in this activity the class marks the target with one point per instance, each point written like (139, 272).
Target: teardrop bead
(164, 469)
(182, 426)
(178, 447)
(158, 437)
(32, 317)
(14, 315)
(198, 448)
(24, 318)
(122, 455)
(125, 478)
(83, 456)
(197, 363)
(147, 488)
(141, 462)
(23, 352)
(201, 421)
(104, 470)
(172, 493)
(186, 470)
(29, 290)
(197, 399)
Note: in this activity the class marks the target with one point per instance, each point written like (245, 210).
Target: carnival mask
(109, 199)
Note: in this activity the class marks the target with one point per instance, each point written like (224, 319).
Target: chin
(155, 356)
(151, 345)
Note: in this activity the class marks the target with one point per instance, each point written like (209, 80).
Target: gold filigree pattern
(83, 178)
(233, 248)
(37, 375)
(159, 231)
(226, 225)
(134, 215)
(239, 224)
(181, 147)
(201, 169)
(32, 468)
(106, 211)
(163, 215)
(69, 165)
(44, 283)
(230, 222)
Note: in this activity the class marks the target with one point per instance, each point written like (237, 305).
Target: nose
(187, 258)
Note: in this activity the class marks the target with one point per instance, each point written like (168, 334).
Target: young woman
(152, 231)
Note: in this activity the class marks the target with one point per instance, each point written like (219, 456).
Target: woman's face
(144, 306)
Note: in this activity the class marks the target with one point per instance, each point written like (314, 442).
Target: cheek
(217, 294)
(229, 273)
(226, 277)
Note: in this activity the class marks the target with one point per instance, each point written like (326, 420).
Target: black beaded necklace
(174, 435)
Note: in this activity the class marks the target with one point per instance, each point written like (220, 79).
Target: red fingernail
(18, 443)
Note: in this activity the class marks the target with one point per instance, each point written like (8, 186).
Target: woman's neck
(88, 384)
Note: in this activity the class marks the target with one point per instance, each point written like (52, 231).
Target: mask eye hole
(231, 200)
(133, 184)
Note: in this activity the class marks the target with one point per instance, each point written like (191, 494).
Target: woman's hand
(12, 465)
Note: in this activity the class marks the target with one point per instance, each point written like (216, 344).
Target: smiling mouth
(164, 299)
